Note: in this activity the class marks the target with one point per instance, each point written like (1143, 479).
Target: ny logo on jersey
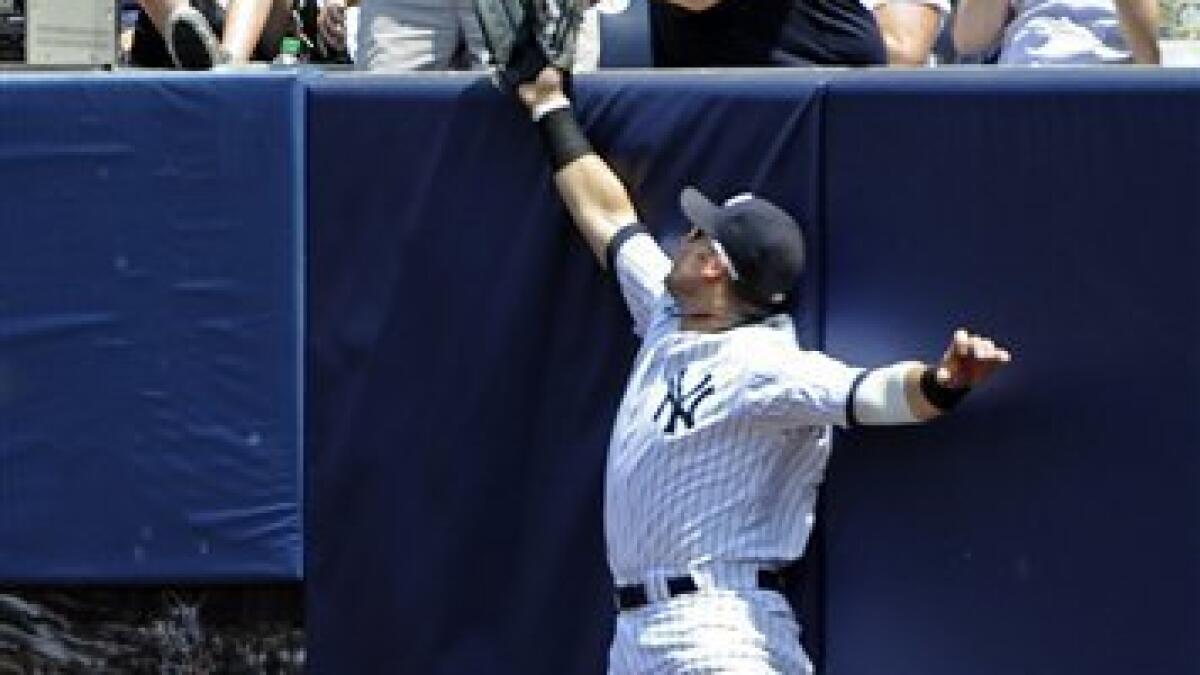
(682, 405)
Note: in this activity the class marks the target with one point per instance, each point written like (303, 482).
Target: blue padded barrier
(149, 332)
(1053, 526)
(625, 37)
(467, 355)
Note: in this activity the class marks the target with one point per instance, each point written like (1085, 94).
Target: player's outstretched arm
(909, 392)
(597, 200)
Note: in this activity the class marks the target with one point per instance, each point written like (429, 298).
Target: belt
(634, 596)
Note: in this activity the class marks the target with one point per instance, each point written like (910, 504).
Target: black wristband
(940, 396)
(614, 245)
(851, 415)
(563, 138)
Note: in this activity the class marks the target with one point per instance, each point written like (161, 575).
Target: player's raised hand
(547, 87)
(969, 360)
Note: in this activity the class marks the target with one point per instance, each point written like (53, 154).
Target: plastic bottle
(289, 52)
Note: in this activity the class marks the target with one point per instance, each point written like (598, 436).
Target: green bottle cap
(290, 45)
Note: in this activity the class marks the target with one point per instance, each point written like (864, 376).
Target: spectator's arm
(1139, 21)
(331, 22)
(249, 21)
(695, 5)
(978, 24)
(909, 30)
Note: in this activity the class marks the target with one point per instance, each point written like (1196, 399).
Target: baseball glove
(525, 36)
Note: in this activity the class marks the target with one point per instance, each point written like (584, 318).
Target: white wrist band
(545, 108)
(881, 399)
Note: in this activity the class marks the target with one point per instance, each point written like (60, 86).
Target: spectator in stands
(439, 35)
(1060, 32)
(693, 33)
(250, 29)
(333, 25)
(909, 28)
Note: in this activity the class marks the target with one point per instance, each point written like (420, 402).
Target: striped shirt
(721, 439)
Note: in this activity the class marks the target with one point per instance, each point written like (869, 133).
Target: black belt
(634, 596)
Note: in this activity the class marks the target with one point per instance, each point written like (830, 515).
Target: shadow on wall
(153, 631)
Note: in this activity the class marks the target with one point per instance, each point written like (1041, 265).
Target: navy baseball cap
(759, 243)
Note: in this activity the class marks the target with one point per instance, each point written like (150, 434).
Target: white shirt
(1064, 32)
(721, 439)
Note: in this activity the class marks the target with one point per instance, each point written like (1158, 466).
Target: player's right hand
(969, 360)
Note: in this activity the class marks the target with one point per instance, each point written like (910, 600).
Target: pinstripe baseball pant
(711, 632)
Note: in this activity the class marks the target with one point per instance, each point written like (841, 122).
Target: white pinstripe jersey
(721, 439)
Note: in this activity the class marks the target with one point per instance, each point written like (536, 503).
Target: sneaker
(191, 41)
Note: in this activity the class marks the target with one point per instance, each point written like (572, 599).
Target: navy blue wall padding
(467, 355)
(149, 401)
(1052, 526)
(625, 37)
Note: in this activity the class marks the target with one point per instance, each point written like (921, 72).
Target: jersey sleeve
(803, 389)
(641, 269)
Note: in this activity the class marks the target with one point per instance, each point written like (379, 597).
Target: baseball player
(723, 433)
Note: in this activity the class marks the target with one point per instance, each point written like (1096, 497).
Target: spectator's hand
(331, 21)
(547, 88)
(969, 360)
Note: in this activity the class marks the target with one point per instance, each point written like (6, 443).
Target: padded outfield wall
(462, 356)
